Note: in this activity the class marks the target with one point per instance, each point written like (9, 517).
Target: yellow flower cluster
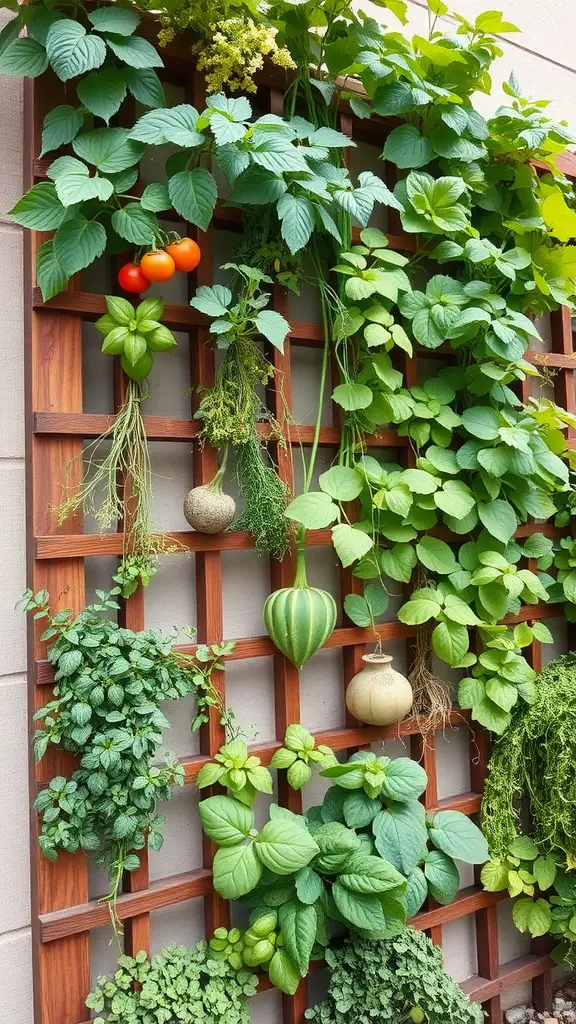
(236, 51)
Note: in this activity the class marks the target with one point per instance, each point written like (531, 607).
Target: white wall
(549, 71)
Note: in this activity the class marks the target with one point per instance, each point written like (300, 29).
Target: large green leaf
(442, 875)
(284, 848)
(50, 276)
(297, 220)
(342, 483)
(405, 780)
(450, 641)
(122, 20)
(74, 184)
(61, 125)
(174, 124)
(155, 198)
(457, 836)
(273, 327)
(71, 51)
(145, 86)
(102, 92)
(135, 224)
(350, 544)
(109, 149)
(436, 555)
(361, 910)
(499, 519)
(398, 562)
(225, 820)
(314, 510)
(482, 422)
(283, 972)
(406, 147)
(422, 606)
(237, 871)
(309, 885)
(78, 242)
(400, 835)
(532, 916)
(40, 208)
(134, 51)
(193, 194)
(416, 892)
(352, 396)
(298, 923)
(24, 57)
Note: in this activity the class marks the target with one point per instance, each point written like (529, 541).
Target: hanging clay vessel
(378, 694)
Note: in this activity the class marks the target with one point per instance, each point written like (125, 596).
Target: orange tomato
(158, 265)
(185, 253)
(131, 279)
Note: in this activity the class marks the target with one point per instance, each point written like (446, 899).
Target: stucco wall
(544, 58)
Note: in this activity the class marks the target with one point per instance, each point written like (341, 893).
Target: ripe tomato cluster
(159, 265)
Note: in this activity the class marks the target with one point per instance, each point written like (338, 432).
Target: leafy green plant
(534, 760)
(231, 410)
(134, 334)
(188, 985)
(242, 773)
(299, 754)
(109, 685)
(399, 979)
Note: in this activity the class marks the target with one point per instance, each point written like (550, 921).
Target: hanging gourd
(207, 508)
(299, 619)
(378, 694)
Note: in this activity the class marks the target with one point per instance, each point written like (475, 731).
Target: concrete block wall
(544, 57)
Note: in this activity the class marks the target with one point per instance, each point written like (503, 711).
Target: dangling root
(432, 702)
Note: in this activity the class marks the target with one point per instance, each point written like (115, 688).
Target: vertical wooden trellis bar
(63, 913)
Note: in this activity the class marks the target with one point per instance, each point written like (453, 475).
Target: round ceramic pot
(378, 694)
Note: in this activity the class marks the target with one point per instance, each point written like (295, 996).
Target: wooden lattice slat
(63, 913)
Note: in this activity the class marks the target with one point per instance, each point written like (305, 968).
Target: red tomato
(185, 253)
(158, 265)
(131, 279)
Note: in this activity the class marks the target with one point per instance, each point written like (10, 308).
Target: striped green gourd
(300, 619)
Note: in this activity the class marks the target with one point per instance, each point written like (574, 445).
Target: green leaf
(24, 57)
(296, 215)
(61, 125)
(502, 693)
(309, 885)
(273, 326)
(350, 544)
(369, 874)
(50, 276)
(134, 51)
(356, 608)
(499, 518)
(494, 876)
(398, 562)
(74, 184)
(532, 916)
(416, 892)
(342, 483)
(225, 820)
(362, 910)
(524, 847)
(135, 224)
(237, 871)
(544, 870)
(283, 972)
(193, 195)
(77, 243)
(406, 147)
(40, 209)
(400, 835)
(174, 124)
(450, 641)
(359, 809)
(405, 780)
(352, 396)
(155, 198)
(436, 555)
(284, 848)
(314, 510)
(213, 301)
(454, 834)
(421, 607)
(109, 149)
(298, 924)
(442, 875)
(71, 51)
(481, 422)
(121, 20)
(102, 92)
(145, 86)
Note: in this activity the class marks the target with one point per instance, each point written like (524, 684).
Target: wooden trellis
(63, 914)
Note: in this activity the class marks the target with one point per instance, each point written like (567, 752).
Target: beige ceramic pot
(379, 695)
